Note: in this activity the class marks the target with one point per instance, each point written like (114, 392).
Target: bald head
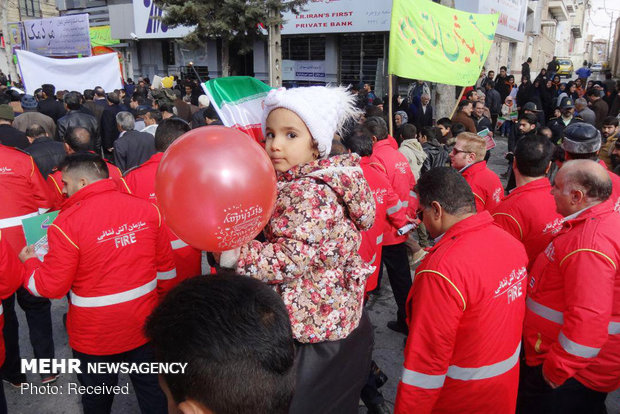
(78, 139)
(580, 184)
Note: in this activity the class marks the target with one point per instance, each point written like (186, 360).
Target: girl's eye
(269, 135)
(292, 135)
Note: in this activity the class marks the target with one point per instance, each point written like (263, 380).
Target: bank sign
(339, 16)
(148, 25)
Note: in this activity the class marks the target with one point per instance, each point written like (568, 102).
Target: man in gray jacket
(581, 108)
(493, 101)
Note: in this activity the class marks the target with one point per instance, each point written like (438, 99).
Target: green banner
(101, 36)
(438, 44)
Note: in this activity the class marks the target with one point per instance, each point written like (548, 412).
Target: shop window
(303, 48)
(29, 8)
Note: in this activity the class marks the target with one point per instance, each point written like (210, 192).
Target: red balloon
(216, 188)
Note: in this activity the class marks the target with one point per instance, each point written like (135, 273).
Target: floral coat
(311, 253)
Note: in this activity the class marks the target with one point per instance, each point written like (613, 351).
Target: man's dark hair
(168, 131)
(503, 67)
(35, 131)
(377, 127)
(73, 101)
(237, 342)
(211, 113)
(49, 90)
(165, 106)
(529, 118)
(114, 98)
(610, 120)
(373, 111)
(155, 114)
(529, 60)
(457, 128)
(533, 155)
(429, 132)
(78, 139)
(86, 164)
(408, 131)
(89, 94)
(338, 148)
(99, 92)
(463, 104)
(360, 141)
(469, 95)
(446, 186)
(177, 93)
(593, 92)
(445, 122)
(490, 84)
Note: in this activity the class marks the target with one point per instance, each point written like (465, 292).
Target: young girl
(310, 256)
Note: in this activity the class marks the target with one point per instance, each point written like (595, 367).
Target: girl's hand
(228, 259)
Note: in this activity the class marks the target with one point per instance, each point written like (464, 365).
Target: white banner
(69, 74)
(58, 36)
(303, 70)
(147, 25)
(512, 15)
(339, 16)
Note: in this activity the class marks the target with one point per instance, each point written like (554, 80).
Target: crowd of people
(514, 302)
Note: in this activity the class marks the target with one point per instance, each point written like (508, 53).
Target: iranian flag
(238, 101)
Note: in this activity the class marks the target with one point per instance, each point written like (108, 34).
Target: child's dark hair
(235, 335)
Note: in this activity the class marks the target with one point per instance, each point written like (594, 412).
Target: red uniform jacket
(11, 276)
(402, 181)
(141, 182)
(111, 252)
(572, 322)
(54, 182)
(385, 199)
(615, 183)
(22, 193)
(465, 314)
(528, 213)
(485, 184)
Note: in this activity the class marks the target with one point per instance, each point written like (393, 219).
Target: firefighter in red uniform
(23, 194)
(394, 250)
(78, 139)
(360, 142)
(583, 141)
(141, 182)
(528, 212)
(11, 277)
(572, 323)
(465, 309)
(467, 157)
(110, 251)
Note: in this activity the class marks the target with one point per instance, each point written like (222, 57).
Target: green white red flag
(238, 101)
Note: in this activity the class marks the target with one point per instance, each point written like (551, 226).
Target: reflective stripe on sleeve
(485, 372)
(576, 349)
(614, 328)
(170, 274)
(395, 209)
(114, 299)
(31, 285)
(405, 203)
(178, 244)
(413, 194)
(374, 257)
(15, 221)
(1, 309)
(544, 312)
(380, 239)
(420, 380)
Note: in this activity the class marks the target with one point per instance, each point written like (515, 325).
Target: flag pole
(390, 119)
(457, 102)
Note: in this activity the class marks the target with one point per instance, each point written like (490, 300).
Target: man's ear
(192, 407)
(437, 210)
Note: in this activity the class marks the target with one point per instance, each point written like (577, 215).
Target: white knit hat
(324, 110)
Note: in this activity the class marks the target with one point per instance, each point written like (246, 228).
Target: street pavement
(388, 350)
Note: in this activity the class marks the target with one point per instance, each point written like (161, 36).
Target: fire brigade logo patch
(6, 170)
(497, 194)
(380, 194)
(402, 167)
(553, 227)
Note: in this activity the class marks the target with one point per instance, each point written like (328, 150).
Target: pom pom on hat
(324, 110)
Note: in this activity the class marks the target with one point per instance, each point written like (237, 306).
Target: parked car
(597, 67)
(566, 67)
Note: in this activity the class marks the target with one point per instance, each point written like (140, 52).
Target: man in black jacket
(75, 117)
(132, 147)
(10, 136)
(49, 105)
(46, 152)
(436, 153)
(525, 68)
(108, 128)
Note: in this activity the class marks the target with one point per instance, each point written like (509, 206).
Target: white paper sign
(303, 70)
(58, 36)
